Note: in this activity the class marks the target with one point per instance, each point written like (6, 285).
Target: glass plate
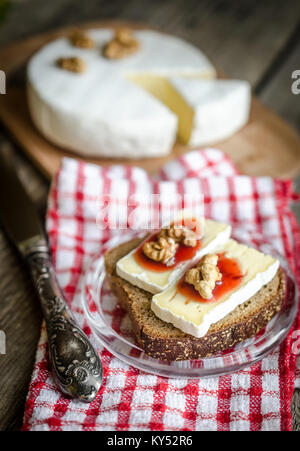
(111, 326)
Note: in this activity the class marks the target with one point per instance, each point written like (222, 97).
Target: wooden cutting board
(265, 146)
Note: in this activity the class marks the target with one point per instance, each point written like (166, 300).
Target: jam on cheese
(232, 277)
(183, 252)
(155, 277)
(245, 271)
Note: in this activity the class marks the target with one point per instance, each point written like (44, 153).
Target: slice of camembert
(210, 110)
(243, 272)
(156, 276)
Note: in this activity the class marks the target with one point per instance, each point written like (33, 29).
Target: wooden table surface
(255, 41)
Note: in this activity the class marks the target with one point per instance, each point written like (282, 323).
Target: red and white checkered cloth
(257, 398)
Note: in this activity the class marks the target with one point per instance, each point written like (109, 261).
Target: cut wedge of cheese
(129, 268)
(102, 111)
(194, 316)
(210, 110)
(207, 110)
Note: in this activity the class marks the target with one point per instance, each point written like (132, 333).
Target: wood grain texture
(222, 29)
(20, 314)
(264, 146)
(296, 410)
(277, 93)
(242, 38)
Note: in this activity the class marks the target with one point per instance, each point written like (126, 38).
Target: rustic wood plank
(265, 146)
(20, 314)
(222, 29)
(278, 95)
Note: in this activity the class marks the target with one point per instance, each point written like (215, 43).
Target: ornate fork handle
(76, 366)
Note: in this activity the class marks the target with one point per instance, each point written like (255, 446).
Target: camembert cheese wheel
(115, 108)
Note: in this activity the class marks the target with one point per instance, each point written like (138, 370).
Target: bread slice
(163, 341)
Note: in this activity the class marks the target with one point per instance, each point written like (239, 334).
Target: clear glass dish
(111, 326)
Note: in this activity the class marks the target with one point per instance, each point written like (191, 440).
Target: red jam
(231, 278)
(183, 253)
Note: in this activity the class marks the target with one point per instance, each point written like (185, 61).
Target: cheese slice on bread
(154, 281)
(244, 272)
(162, 340)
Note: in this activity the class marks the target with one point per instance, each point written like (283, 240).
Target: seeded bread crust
(163, 341)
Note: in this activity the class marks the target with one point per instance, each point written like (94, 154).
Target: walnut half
(80, 39)
(204, 275)
(166, 244)
(123, 44)
(73, 64)
(180, 235)
(162, 250)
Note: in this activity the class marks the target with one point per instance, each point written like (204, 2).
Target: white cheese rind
(95, 136)
(221, 107)
(218, 310)
(100, 112)
(158, 282)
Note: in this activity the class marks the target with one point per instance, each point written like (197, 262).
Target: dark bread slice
(163, 341)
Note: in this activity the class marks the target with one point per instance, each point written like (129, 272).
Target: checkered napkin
(256, 398)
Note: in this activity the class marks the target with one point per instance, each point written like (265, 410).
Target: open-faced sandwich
(191, 295)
